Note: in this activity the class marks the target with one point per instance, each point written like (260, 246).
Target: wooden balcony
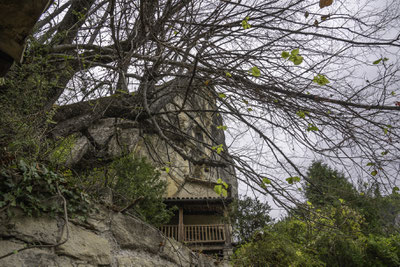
(207, 233)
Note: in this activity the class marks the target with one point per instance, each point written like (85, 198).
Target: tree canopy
(319, 77)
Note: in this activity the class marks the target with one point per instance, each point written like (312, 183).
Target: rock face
(106, 239)
(108, 138)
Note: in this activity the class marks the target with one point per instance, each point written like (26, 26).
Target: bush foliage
(337, 226)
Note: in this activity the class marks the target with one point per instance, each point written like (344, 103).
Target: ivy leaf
(341, 200)
(249, 109)
(395, 189)
(383, 153)
(309, 203)
(370, 164)
(255, 71)
(374, 172)
(228, 74)
(167, 169)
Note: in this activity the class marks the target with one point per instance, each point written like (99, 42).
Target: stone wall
(106, 238)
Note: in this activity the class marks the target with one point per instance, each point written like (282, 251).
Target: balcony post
(180, 226)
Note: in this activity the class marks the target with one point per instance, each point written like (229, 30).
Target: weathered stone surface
(80, 148)
(143, 260)
(124, 241)
(43, 229)
(133, 233)
(99, 220)
(7, 247)
(125, 140)
(102, 130)
(85, 245)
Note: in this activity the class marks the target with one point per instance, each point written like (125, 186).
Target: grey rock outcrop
(107, 238)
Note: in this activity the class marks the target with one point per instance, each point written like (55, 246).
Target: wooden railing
(170, 231)
(206, 233)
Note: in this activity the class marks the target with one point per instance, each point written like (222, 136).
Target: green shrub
(36, 190)
(134, 178)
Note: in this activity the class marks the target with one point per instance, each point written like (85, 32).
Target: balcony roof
(198, 200)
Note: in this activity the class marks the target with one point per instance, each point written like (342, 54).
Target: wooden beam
(180, 226)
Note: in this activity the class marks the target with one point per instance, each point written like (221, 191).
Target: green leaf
(224, 192)
(320, 79)
(295, 52)
(221, 95)
(218, 189)
(386, 130)
(222, 127)
(309, 203)
(395, 189)
(374, 172)
(221, 188)
(29, 189)
(370, 164)
(245, 23)
(249, 109)
(341, 200)
(383, 153)
(293, 179)
(297, 60)
(312, 127)
(285, 54)
(302, 114)
(167, 169)
(228, 74)
(218, 148)
(377, 61)
(266, 180)
(255, 71)
(393, 93)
